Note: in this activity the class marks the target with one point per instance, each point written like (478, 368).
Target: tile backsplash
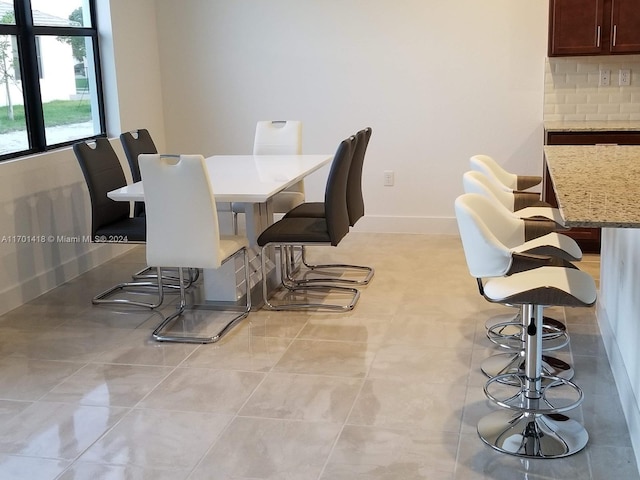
(572, 91)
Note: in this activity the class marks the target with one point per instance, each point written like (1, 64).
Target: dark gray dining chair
(355, 209)
(291, 232)
(110, 220)
(134, 143)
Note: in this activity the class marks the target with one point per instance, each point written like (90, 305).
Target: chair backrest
(181, 215)
(355, 200)
(476, 182)
(275, 137)
(507, 227)
(493, 170)
(335, 195)
(103, 173)
(134, 143)
(486, 256)
(279, 137)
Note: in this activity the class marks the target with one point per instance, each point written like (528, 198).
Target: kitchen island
(599, 186)
(619, 132)
(596, 186)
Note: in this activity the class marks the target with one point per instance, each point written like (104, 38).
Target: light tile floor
(391, 390)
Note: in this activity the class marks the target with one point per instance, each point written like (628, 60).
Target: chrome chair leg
(353, 293)
(243, 311)
(135, 288)
(368, 273)
(169, 276)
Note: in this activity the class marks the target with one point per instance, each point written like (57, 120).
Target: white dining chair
(183, 232)
(277, 137)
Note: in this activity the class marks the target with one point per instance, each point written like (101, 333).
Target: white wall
(438, 81)
(44, 197)
(619, 318)
(129, 49)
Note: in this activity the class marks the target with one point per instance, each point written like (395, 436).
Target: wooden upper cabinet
(625, 26)
(575, 27)
(593, 27)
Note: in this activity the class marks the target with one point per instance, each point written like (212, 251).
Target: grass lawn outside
(57, 112)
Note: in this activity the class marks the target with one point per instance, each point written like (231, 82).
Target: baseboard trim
(35, 286)
(423, 225)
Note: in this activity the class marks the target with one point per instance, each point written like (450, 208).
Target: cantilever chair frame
(182, 308)
(296, 285)
(138, 286)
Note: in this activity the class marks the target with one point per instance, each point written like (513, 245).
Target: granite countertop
(596, 186)
(593, 126)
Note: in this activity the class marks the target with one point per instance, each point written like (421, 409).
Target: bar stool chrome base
(532, 435)
(514, 363)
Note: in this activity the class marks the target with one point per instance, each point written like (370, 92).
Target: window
(50, 87)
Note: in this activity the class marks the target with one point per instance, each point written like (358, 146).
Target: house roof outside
(40, 18)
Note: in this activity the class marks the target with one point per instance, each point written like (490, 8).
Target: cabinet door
(576, 27)
(625, 26)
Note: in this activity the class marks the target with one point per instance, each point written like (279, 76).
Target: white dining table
(249, 179)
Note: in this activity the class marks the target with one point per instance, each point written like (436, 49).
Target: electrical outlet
(605, 78)
(624, 79)
(388, 178)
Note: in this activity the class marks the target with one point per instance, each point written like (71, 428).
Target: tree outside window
(49, 75)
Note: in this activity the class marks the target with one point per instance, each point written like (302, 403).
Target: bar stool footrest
(508, 335)
(556, 395)
(514, 363)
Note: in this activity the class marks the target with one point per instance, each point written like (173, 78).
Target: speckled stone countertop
(593, 126)
(596, 186)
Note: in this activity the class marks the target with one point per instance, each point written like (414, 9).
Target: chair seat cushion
(541, 212)
(230, 244)
(296, 230)
(543, 286)
(552, 244)
(308, 209)
(123, 231)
